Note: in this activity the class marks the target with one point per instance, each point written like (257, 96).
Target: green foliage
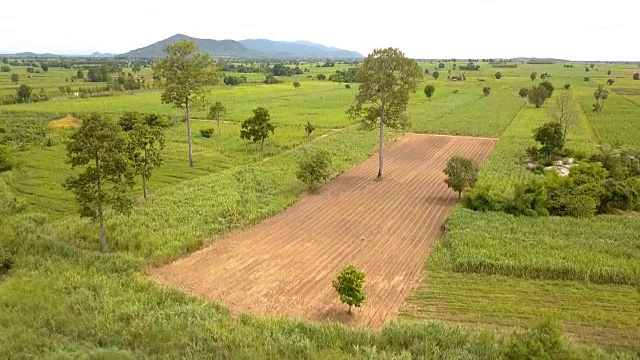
(636, 76)
(15, 78)
(144, 146)
(486, 91)
(541, 342)
(217, 112)
(349, 286)
(567, 86)
(461, 173)
(23, 93)
(296, 84)
(429, 90)
(6, 158)
(436, 75)
(523, 92)
(482, 198)
(529, 199)
(5, 68)
(270, 79)
(498, 75)
(101, 149)
(533, 75)
(586, 79)
(550, 135)
(309, 128)
(538, 95)
(547, 85)
(314, 167)
(257, 127)
(321, 77)
(610, 82)
(207, 133)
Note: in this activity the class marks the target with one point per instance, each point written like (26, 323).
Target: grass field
(63, 299)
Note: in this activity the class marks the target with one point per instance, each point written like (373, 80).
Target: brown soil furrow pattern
(284, 266)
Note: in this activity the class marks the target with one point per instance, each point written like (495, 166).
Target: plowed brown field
(284, 265)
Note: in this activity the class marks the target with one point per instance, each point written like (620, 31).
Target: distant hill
(105, 55)
(298, 49)
(249, 49)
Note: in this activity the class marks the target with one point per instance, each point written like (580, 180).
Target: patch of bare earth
(67, 122)
(284, 265)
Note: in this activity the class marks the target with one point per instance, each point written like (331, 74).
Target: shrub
(6, 159)
(610, 82)
(586, 79)
(5, 69)
(486, 90)
(15, 78)
(523, 92)
(541, 342)
(529, 199)
(436, 75)
(347, 86)
(551, 137)
(321, 77)
(461, 173)
(482, 198)
(537, 95)
(547, 85)
(349, 286)
(296, 84)
(636, 76)
(429, 90)
(567, 86)
(314, 167)
(498, 75)
(207, 133)
(622, 195)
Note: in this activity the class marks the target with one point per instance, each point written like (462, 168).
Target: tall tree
(601, 94)
(100, 147)
(564, 113)
(216, 112)
(462, 173)
(257, 127)
(386, 78)
(186, 72)
(145, 144)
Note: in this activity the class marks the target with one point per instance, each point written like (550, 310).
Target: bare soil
(283, 266)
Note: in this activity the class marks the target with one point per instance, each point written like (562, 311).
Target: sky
(567, 29)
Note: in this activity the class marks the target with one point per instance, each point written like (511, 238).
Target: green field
(490, 275)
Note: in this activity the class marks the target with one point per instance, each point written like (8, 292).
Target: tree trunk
(218, 126)
(459, 195)
(189, 134)
(262, 145)
(144, 176)
(103, 235)
(349, 309)
(381, 158)
(601, 106)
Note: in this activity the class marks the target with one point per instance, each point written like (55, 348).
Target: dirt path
(284, 265)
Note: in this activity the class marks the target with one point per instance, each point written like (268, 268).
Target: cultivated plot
(284, 265)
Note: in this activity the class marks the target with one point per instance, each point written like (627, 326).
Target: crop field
(284, 266)
(229, 259)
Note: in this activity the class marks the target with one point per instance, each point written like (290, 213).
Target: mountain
(249, 49)
(298, 49)
(219, 48)
(105, 55)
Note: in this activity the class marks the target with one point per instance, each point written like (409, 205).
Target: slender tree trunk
(218, 126)
(381, 158)
(349, 309)
(144, 176)
(262, 145)
(103, 235)
(189, 134)
(601, 106)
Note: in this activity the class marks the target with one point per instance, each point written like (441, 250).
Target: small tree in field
(436, 75)
(429, 90)
(533, 75)
(486, 90)
(547, 85)
(601, 94)
(636, 76)
(523, 92)
(314, 167)
(309, 128)
(498, 75)
(186, 74)
(462, 174)
(217, 111)
(349, 286)
(609, 72)
(257, 127)
(145, 144)
(100, 147)
(15, 78)
(610, 82)
(550, 135)
(296, 85)
(564, 113)
(538, 95)
(23, 93)
(567, 86)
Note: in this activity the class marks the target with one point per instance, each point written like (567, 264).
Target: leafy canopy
(257, 127)
(429, 90)
(551, 136)
(185, 73)
(385, 75)
(314, 167)
(461, 173)
(349, 286)
(100, 147)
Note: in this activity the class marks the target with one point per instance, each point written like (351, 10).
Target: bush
(621, 195)
(523, 92)
(5, 69)
(541, 342)
(610, 82)
(567, 86)
(482, 198)
(636, 76)
(498, 75)
(6, 159)
(429, 90)
(321, 77)
(207, 133)
(15, 78)
(486, 90)
(551, 137)
(586, 79)
(529, 199)
(547, 85)
(314, 167)
(538, 95)
(347, 86)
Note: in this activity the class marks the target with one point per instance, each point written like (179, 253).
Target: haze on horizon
(573, 30)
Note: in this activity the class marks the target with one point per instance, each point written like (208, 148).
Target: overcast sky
(569, 29)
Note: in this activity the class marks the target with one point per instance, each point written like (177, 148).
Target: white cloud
(498, 28)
